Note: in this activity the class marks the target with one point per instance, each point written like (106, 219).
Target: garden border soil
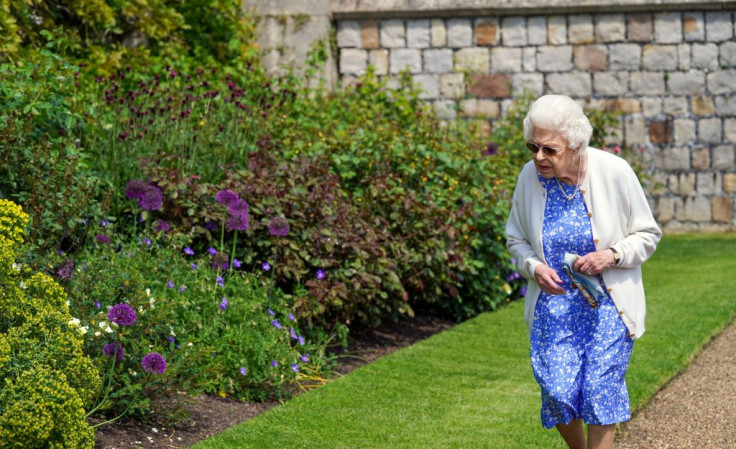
(210, 415)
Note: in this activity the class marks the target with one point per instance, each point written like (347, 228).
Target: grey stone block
(417, 33)
(729, 129)
(722, 81)
(686, 83)
(624, 57)
(684, 131)
(727, 52)
(557, 30)
(537, 30)
(718, 27)
(610, 28)
(683, 57)
(574, 84)
(647, 83)
(438, 60)
(725, 105)
(505, 60)
(705, 56)
(651, 106)
(554, 59)
(635, 130)
(379, 60)
(429, 85)
(724, 157)
(529, 59)
(452, 85)
(693, 26)
(402, 58)
(445, 109)
(667, 28)
(705, 183)
(675, 106)
(474, 59)
(659, 57)
(580, 29)
(533, 82)
(393, 33)
(610, 83)
(353, 61)
(459, 33)
(709, 130)
(513, 31)
(348, 34)
(438, 33)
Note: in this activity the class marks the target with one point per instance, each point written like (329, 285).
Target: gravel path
(697, 409)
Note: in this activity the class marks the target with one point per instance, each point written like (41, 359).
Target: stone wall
(670, 68)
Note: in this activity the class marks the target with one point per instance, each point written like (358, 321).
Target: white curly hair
(561, 114)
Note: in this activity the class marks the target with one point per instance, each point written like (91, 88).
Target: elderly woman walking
(580, 227)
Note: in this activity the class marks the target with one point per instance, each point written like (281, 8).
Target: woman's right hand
(548, 280)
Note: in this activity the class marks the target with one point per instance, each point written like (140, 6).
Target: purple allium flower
(188, 251)
(239, 207)
(236, 263)
(152, 199)
(276, 324)
(97, 304)
(224, 303)
(220, 281)
(194, 266)
(274, 363)
(278, 226)
(170, 284)
(171, 339)
(305, 358)
(265, 266)
(321, 274)
(122, 314)
(271, 312)
(295, 367)
(238, 222)
(102, 238)
(66, 270)
(154, 363)
(114, 350)
(293, 333)
(243, 371)
(291, 317)
(135, 189)
(226, 197)
(212, 251)
(161, 226)
(490, 149)
(301, 341)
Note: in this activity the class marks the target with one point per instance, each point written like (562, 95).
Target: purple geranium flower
(135, 189)
(305, 358)
(295, 367)
(523, 290)
(212, 251)
(154, 363)
(152, 199)
(161, 226)
(210, 226)
(194, 266)
(122, 314)
(293, 333)
(171, 339)
(114, 350)
(243, 371)
(274, 363)
(102, 238)
(220, 281)
(321, 274)
(170, 284)
(490, 149)
(271, 312)
(224, 303)
(188, 251)
(265, 266)
(147, 241)
(226, 197)
(97, 304)
(182, 288)
(276, 324)
(291, 317)
(301, 341)
(236, 263)
(104, 223)
(278, 226)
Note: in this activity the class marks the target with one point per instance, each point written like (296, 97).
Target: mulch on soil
(210, 415)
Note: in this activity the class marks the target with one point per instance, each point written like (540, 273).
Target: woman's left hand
(595, 263)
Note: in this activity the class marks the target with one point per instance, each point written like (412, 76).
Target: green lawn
(472, 386)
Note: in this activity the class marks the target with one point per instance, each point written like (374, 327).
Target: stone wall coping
(385, 9)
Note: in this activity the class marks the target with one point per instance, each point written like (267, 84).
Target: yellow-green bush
(45, 379)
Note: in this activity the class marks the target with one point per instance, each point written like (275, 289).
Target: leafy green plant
(47, 380)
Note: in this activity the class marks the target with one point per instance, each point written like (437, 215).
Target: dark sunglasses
(534, 148)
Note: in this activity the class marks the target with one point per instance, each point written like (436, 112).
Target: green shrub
(47, 381)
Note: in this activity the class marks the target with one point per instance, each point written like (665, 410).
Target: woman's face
(557, 165)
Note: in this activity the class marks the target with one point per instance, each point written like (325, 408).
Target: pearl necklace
(577, 183)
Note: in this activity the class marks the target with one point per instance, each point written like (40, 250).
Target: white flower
(83, 330)
(154, 430)
(22, 285)
(67, 303)
(152, 302)
(74, 322)
(190, 344)
(148, 292)
(98, 333)
(16, 267)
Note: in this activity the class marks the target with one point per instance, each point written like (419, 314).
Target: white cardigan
(621, 218)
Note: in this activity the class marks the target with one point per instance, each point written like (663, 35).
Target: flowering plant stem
(232, 252)
(109, 383)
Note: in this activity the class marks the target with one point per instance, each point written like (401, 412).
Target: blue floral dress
(579, 354)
